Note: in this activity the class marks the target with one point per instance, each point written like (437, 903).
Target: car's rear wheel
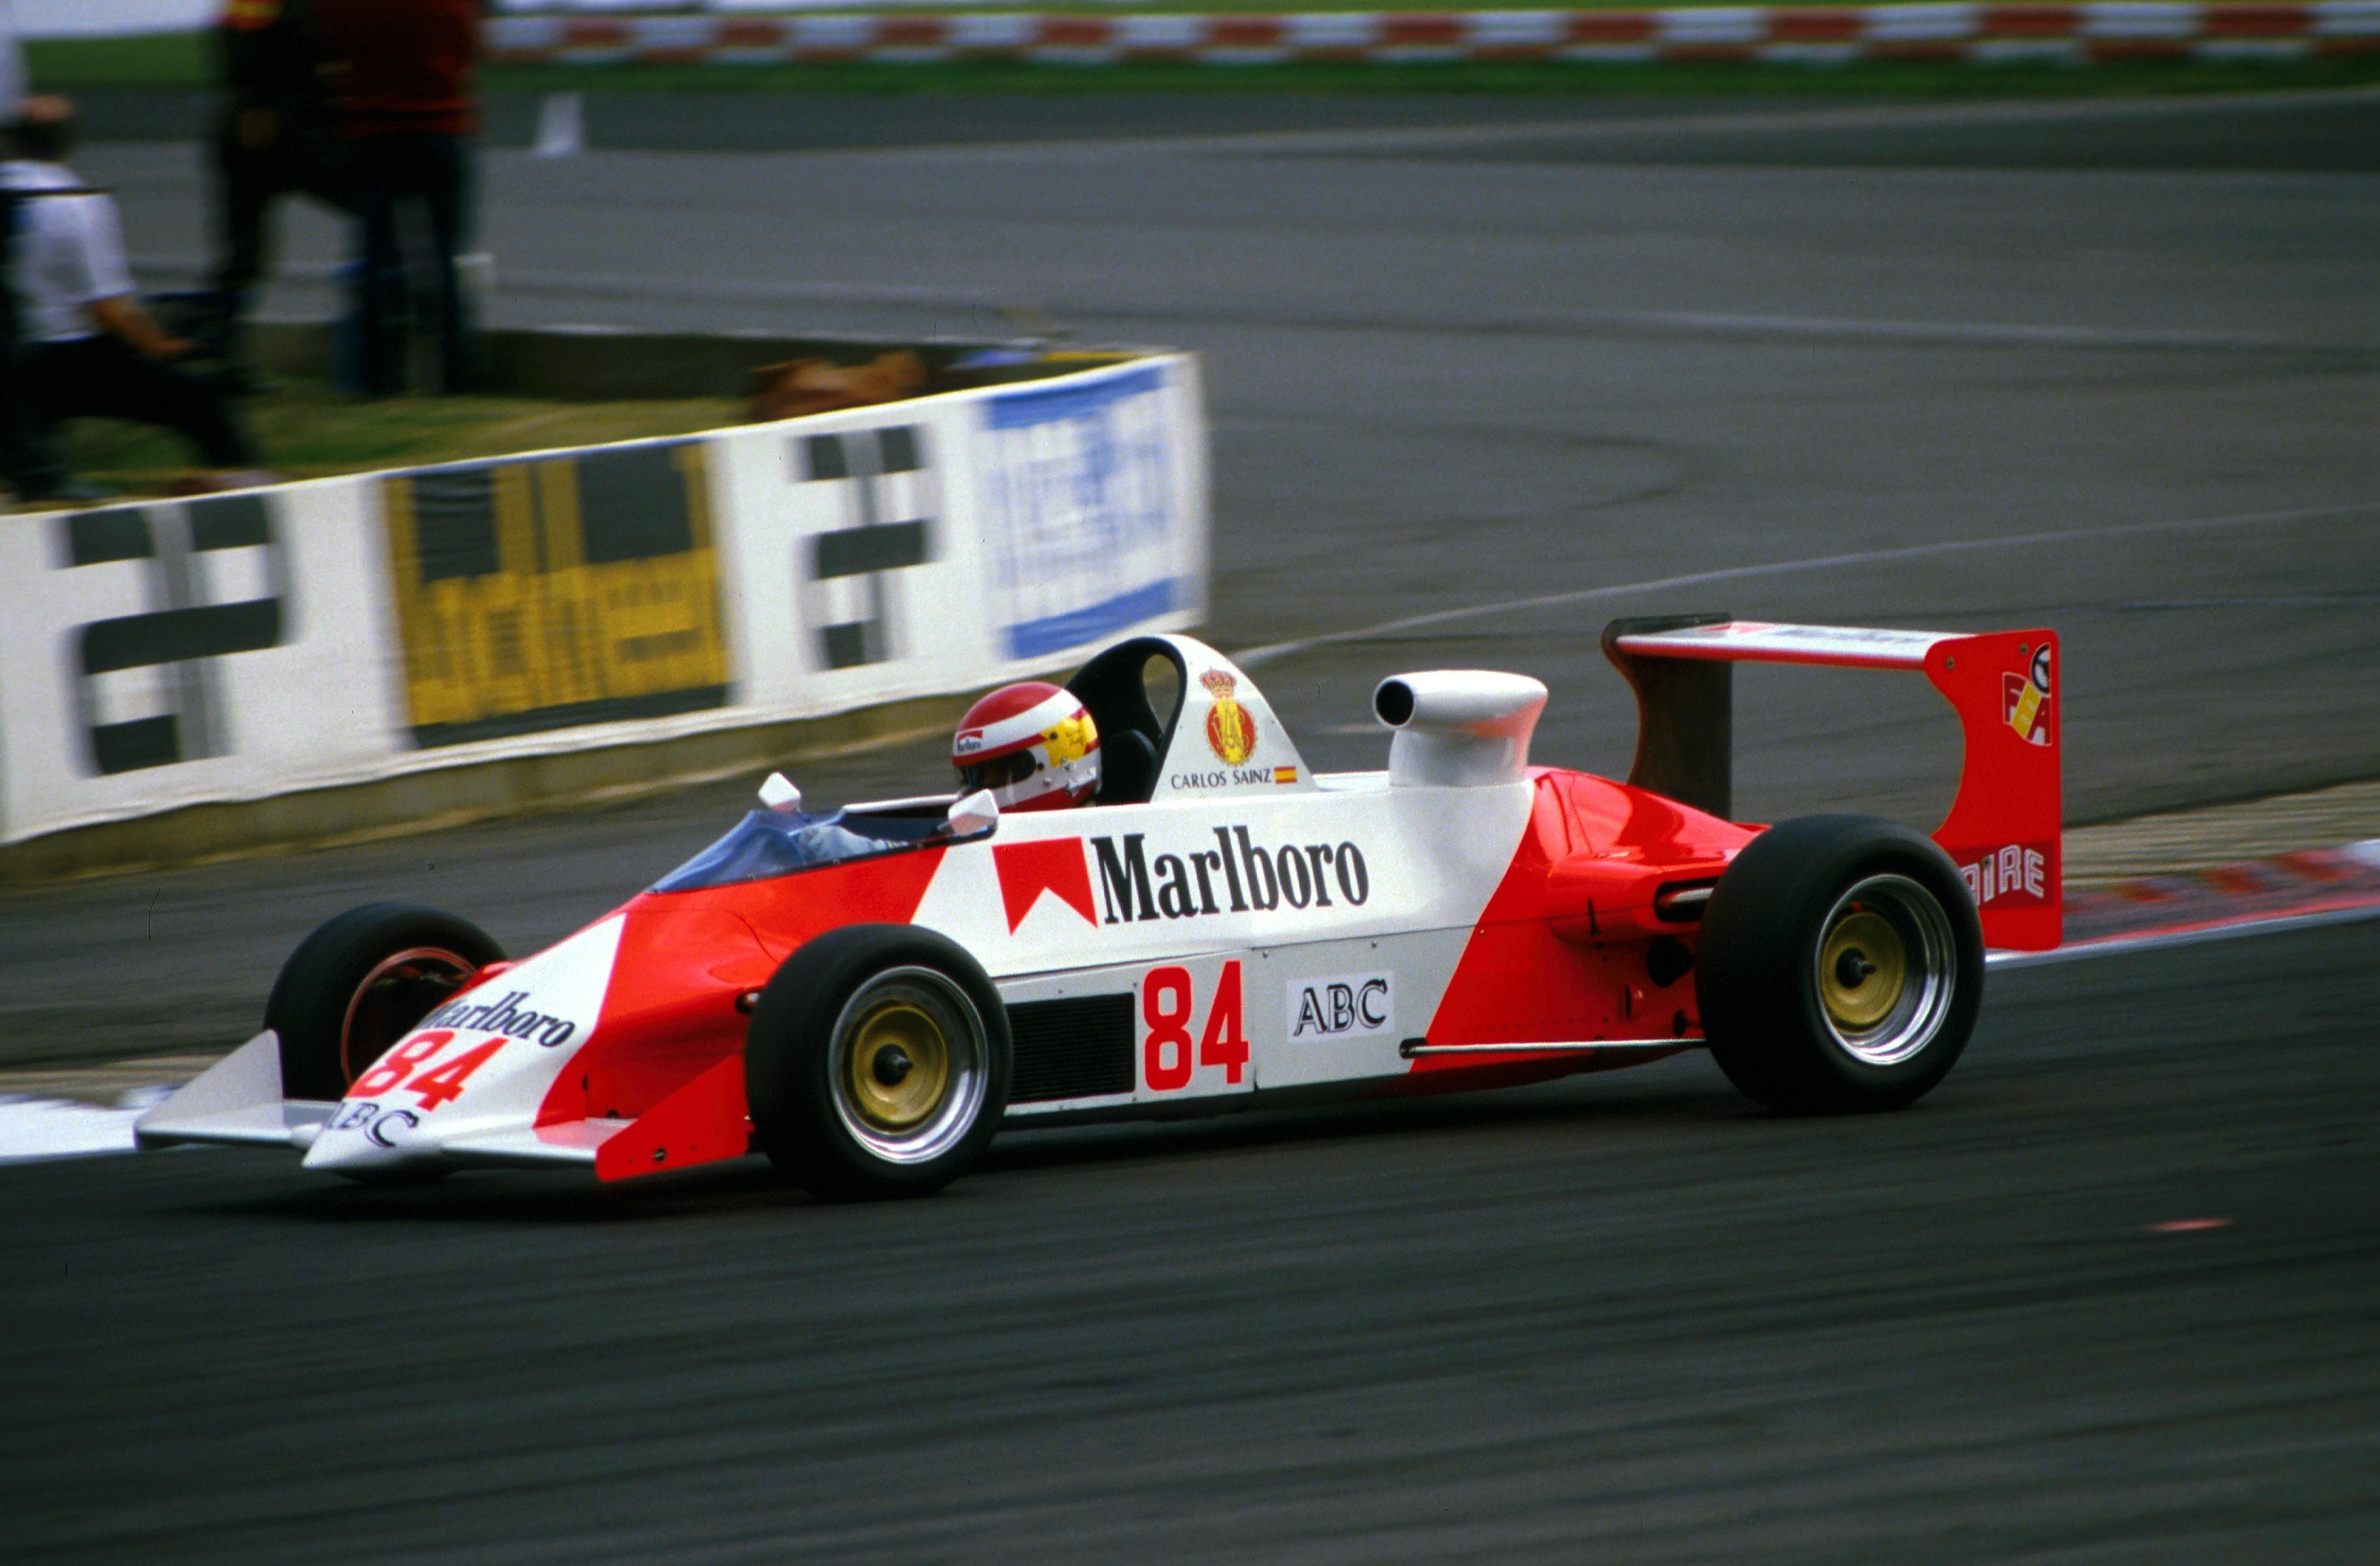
(876, 1064)
(1841, 966)
(360, 983)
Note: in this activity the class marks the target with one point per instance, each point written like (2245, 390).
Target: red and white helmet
(1033, 745)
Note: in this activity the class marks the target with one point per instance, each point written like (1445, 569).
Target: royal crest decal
(1231, 728)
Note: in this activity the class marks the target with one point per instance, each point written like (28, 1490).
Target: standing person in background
(29, 459)
(274, 140)
(402, 70)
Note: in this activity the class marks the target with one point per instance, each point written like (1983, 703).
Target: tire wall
(338, 634)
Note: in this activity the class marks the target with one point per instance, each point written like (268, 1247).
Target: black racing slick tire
(1841, 966)
(360, 983)
(876, 1064)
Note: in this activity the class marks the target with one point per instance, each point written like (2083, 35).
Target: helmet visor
(999, 771)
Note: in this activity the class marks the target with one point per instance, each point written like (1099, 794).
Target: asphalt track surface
(1452, 365)
(1630, 1319)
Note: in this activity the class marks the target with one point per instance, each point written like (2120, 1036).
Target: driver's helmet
(1033, 745)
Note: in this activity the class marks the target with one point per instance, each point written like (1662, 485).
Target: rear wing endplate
(2003, 827)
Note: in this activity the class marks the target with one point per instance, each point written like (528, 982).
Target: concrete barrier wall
(349, 654)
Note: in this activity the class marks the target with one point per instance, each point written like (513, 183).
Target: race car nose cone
(893, 1065)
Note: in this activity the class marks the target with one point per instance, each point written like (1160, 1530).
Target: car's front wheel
(1841, 966)
(360, 983)
(877, 1063)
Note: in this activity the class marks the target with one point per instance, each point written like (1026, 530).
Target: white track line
(1273, 651)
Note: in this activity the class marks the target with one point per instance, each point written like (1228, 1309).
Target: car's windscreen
(773, 842)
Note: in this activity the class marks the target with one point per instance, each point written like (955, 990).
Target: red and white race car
(867, 994)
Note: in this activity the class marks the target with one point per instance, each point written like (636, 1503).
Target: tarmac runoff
(2155, 881)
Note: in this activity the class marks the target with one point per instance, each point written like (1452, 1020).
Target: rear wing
(2003, 827)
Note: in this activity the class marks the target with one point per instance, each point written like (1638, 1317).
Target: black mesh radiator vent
(1073, 1048)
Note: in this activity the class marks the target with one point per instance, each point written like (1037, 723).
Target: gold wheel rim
(898, 1071)
(450, 970)
(1863, 968)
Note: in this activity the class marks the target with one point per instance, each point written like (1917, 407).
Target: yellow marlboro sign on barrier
(557, 592)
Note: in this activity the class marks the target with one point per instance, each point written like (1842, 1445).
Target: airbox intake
(1459, 728)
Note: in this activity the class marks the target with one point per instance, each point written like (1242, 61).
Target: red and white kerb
(1032, 745)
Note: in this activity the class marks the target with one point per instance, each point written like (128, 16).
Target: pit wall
(739, 32)
(345, 655)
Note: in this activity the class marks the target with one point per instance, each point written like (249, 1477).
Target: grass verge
(164, 59)
(305, 430)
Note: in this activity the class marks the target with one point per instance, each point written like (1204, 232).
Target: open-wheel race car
(866, 994)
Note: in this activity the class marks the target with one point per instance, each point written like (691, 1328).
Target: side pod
(2003, 827)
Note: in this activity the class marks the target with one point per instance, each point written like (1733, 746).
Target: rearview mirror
(973, 813)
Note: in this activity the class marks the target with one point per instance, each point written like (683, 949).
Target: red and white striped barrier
(2112, 29)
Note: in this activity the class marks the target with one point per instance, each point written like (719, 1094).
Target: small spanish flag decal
(1284, 774)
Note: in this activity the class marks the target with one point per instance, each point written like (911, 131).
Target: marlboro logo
(512, 1014)
(1237, 875)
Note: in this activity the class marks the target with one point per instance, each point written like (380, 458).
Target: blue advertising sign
(1077, 504)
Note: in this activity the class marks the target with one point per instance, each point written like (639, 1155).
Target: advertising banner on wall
(162, 655)
(955, 541)
(555, 593)
(1078, 497)
(343, 630)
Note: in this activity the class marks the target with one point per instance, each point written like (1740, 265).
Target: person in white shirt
(89, 348)
(28, 457)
